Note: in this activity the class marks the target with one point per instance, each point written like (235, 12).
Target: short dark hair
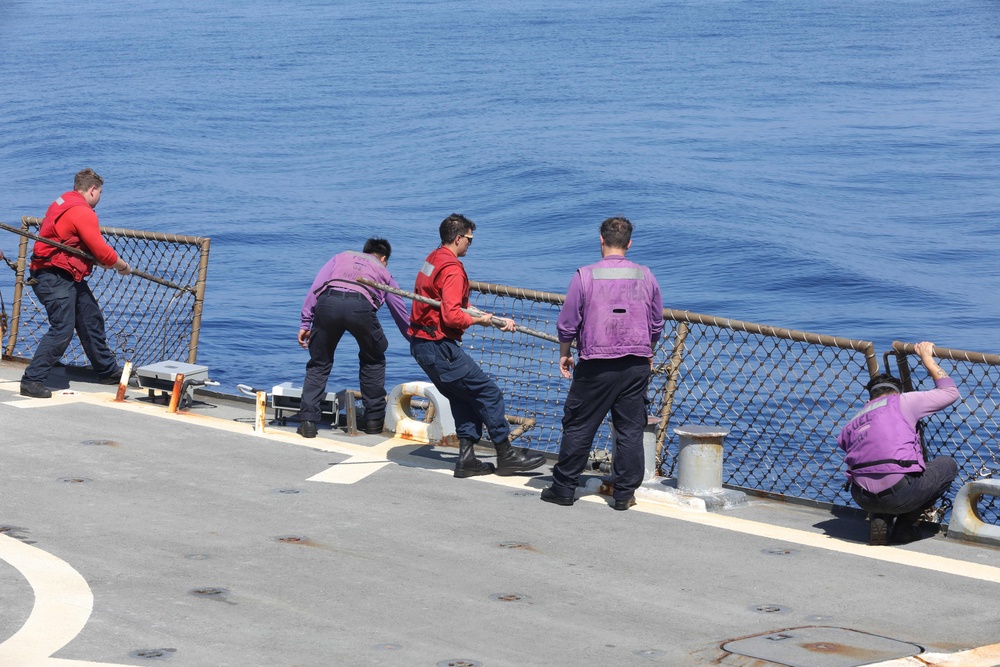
(883, 384)
(86, 179)
(616, 232)
(378, 246)
(453, 226)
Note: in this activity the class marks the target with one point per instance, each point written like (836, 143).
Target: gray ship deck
(131, 536)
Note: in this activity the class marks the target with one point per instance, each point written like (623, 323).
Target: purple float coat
(623, 306)
(343, 270)
(886, 429)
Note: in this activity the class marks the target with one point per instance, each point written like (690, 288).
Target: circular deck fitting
(152, 653)
(769, 609)
(461, 662)
(197, 557)
(208, 592)
(509, 597)
(100, 443)
(387, 647)
(650, 653)
(73, 480)
(779, 552)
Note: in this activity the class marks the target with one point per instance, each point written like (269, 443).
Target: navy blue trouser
(336, 312)
(70, 305)
(475, 399)
(600, 385)
(919, 492)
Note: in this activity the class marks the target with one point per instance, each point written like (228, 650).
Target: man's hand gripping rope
(478, 316)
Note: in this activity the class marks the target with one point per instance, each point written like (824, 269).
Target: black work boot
(510, 460)
(34, 389)
(468, 465)
(374, 426)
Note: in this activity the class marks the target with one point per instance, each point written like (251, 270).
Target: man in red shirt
(434, 336)
(58, 283)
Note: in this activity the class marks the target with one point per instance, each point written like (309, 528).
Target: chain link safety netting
(966, 431)
(783, 394)
(146, 321)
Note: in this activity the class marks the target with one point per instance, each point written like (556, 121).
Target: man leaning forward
(474, 397)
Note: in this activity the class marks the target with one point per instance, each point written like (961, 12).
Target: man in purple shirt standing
(888, 474)
(615, 312)
(336, 303)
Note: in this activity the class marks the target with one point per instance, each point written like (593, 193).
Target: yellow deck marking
(63, 602)
(984, 656)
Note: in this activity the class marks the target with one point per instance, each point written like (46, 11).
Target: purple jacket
(885, 430)
(613, 308)
(340, 273)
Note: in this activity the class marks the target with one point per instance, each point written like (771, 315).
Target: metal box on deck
(287, 397)
(161, 376)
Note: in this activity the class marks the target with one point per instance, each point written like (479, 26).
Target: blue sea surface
(831, 167)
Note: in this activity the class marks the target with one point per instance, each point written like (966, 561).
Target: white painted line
(63, 602)
(64, 397)
(354, 469)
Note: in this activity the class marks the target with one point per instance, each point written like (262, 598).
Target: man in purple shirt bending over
(336, 303)
(614, 311)
(888, 474)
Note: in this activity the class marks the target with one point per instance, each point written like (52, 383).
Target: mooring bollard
(648, 449)
(699, 459)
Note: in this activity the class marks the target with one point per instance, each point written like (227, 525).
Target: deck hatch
(821, 646)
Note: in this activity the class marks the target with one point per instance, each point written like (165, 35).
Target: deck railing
(145, 321)
(784, 394)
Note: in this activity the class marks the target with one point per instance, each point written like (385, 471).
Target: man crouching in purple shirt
(337, 303)
(615, 312)
(885, 460)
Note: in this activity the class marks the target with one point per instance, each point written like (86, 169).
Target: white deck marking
(352, 470)
(62, 397)
(63, 602)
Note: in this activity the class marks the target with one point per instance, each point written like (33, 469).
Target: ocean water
(832, 167)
